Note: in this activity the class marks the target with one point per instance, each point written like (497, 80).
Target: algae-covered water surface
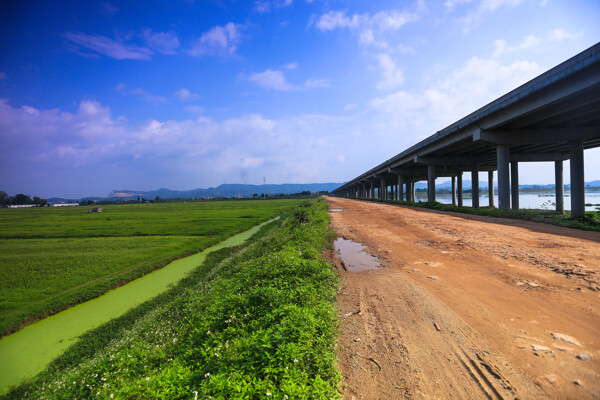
(27, 352)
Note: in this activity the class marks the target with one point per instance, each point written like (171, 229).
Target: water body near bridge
(542, 200)
(27, 352)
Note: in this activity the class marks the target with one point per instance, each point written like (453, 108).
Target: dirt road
(468, 307)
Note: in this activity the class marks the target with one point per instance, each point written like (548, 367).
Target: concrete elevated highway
(554, 117)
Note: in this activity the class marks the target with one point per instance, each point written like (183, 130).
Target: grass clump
(258, 323)
(590, 222)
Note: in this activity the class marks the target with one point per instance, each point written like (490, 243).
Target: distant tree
(305, 193)
(157, 199)
(4, 198)
(39, 201)
(22, 199)
(255, 196)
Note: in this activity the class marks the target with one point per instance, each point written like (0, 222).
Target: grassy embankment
(253, 322)
(590, 222)
(52, 258)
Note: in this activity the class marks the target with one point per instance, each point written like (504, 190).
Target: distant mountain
(225, 190)
(592, 184)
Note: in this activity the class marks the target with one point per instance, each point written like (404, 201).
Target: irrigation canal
(27, 352)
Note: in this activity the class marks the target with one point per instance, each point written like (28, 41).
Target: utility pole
(264, 188)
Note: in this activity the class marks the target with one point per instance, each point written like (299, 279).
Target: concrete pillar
(381, 190)
(371, 190)
(400, 188)
(475, 186)
(514, 182)
(503, 160)
(559, 187)
(491, 188)
(413, 193)
(577, 179)
(453, 190)
(460, 188)
(431, 183)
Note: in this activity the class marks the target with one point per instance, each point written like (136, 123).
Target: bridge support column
(491, 188)
(577, 179)
(514, 182)
(400, 188)
(431, 183)
(460, 188)
(475, 186)
(502, 156)
(559, 186)
(453, 179)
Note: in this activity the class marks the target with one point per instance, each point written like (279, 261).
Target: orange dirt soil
(467, 307)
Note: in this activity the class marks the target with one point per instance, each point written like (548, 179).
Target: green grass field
(51, 258)
(253, 322)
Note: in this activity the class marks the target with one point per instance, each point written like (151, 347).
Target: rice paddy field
(254, 321)
(52, 258)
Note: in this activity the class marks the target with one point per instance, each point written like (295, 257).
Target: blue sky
(96, 96)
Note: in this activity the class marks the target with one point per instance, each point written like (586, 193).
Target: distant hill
(225, 190)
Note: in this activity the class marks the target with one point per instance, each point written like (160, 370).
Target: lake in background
(541, 200)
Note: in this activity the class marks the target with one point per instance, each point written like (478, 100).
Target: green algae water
(27, 352)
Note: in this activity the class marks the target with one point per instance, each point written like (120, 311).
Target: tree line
(19, 199)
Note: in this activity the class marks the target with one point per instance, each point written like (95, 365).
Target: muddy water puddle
(337, 209)
(354, 258)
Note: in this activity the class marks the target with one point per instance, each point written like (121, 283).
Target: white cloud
(392, 75)
(337, 19)
(474, 84)
(371, 28)
(368, 39)
(350, 107)
(292, 65)
(503, 48)
(271, 79)
(561, 34)
(451, 4)
(109, 47)
(185, 94)
(163, 42)
(492, 5)
(264, 6)
(482, 8)
(312, 83)
(220, 40)
(252, 162)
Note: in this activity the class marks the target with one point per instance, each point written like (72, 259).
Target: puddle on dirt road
(353, 256)
(336, 209)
